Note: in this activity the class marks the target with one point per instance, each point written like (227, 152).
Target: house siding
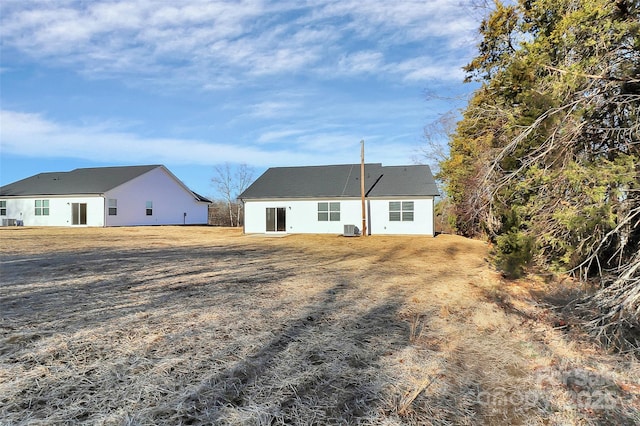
(170, 202)
(422, 223)
(299, 190)
(170, 198)
(60, 214)
(302, 216)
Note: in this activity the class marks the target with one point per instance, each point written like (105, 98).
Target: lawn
(203, 325)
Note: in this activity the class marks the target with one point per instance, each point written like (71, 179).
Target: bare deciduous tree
(435, 148)
(243, 178)
(222, 180)
(230, 184)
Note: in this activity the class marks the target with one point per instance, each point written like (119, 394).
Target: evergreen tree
(551, 142)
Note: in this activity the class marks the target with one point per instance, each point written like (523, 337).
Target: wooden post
(364, 209)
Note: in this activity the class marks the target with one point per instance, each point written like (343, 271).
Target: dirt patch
(200, 325)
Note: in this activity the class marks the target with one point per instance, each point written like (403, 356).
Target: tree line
(545, 161)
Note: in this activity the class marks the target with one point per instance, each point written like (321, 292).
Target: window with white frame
(3, 207)
(113, 206)
(41, 208)
(400, 211)
(149, 208)
(328, 212)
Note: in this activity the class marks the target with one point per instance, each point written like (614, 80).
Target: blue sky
(191, 84)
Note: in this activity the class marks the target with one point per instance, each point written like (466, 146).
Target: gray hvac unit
(351, 231)
(8, 222)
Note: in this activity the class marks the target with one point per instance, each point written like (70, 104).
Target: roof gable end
(96, 180)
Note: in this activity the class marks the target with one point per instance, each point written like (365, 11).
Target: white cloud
(361, 62)
(423, 69)
(278, 136)
(31, 135)
(222, 43)
(406, 20)
(271, 109)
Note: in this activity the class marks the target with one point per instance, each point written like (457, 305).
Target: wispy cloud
(278, 136)
(423, 69)
(269, 109)
(398, 22)
(22, 134)
(361, 62)
(230, 43)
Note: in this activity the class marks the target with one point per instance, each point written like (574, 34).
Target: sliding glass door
(78, 213)
(276, 219)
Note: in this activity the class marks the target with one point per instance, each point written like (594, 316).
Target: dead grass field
(200, 325)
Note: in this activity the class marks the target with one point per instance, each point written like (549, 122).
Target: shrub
(514, 253)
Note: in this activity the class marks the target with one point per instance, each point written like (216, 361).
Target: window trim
(3, 207)
(41, 207)
(112, 207)
(328, 211)
(401, 211)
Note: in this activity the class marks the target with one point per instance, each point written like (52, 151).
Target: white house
(102, 196)
(323, 199)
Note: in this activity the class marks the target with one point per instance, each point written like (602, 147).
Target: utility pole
(364, 209)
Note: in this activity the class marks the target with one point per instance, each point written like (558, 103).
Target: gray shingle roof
(79, 181)
(200, 197)
(312, 181)
(415, 180)
(342, 181)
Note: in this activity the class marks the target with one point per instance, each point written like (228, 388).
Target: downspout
(364, 208)
(104, 210)
(433, 215)
(244, 216)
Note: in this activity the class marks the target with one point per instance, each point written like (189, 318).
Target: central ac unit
(351, 231)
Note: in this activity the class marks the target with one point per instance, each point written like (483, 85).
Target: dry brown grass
(198, 325)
